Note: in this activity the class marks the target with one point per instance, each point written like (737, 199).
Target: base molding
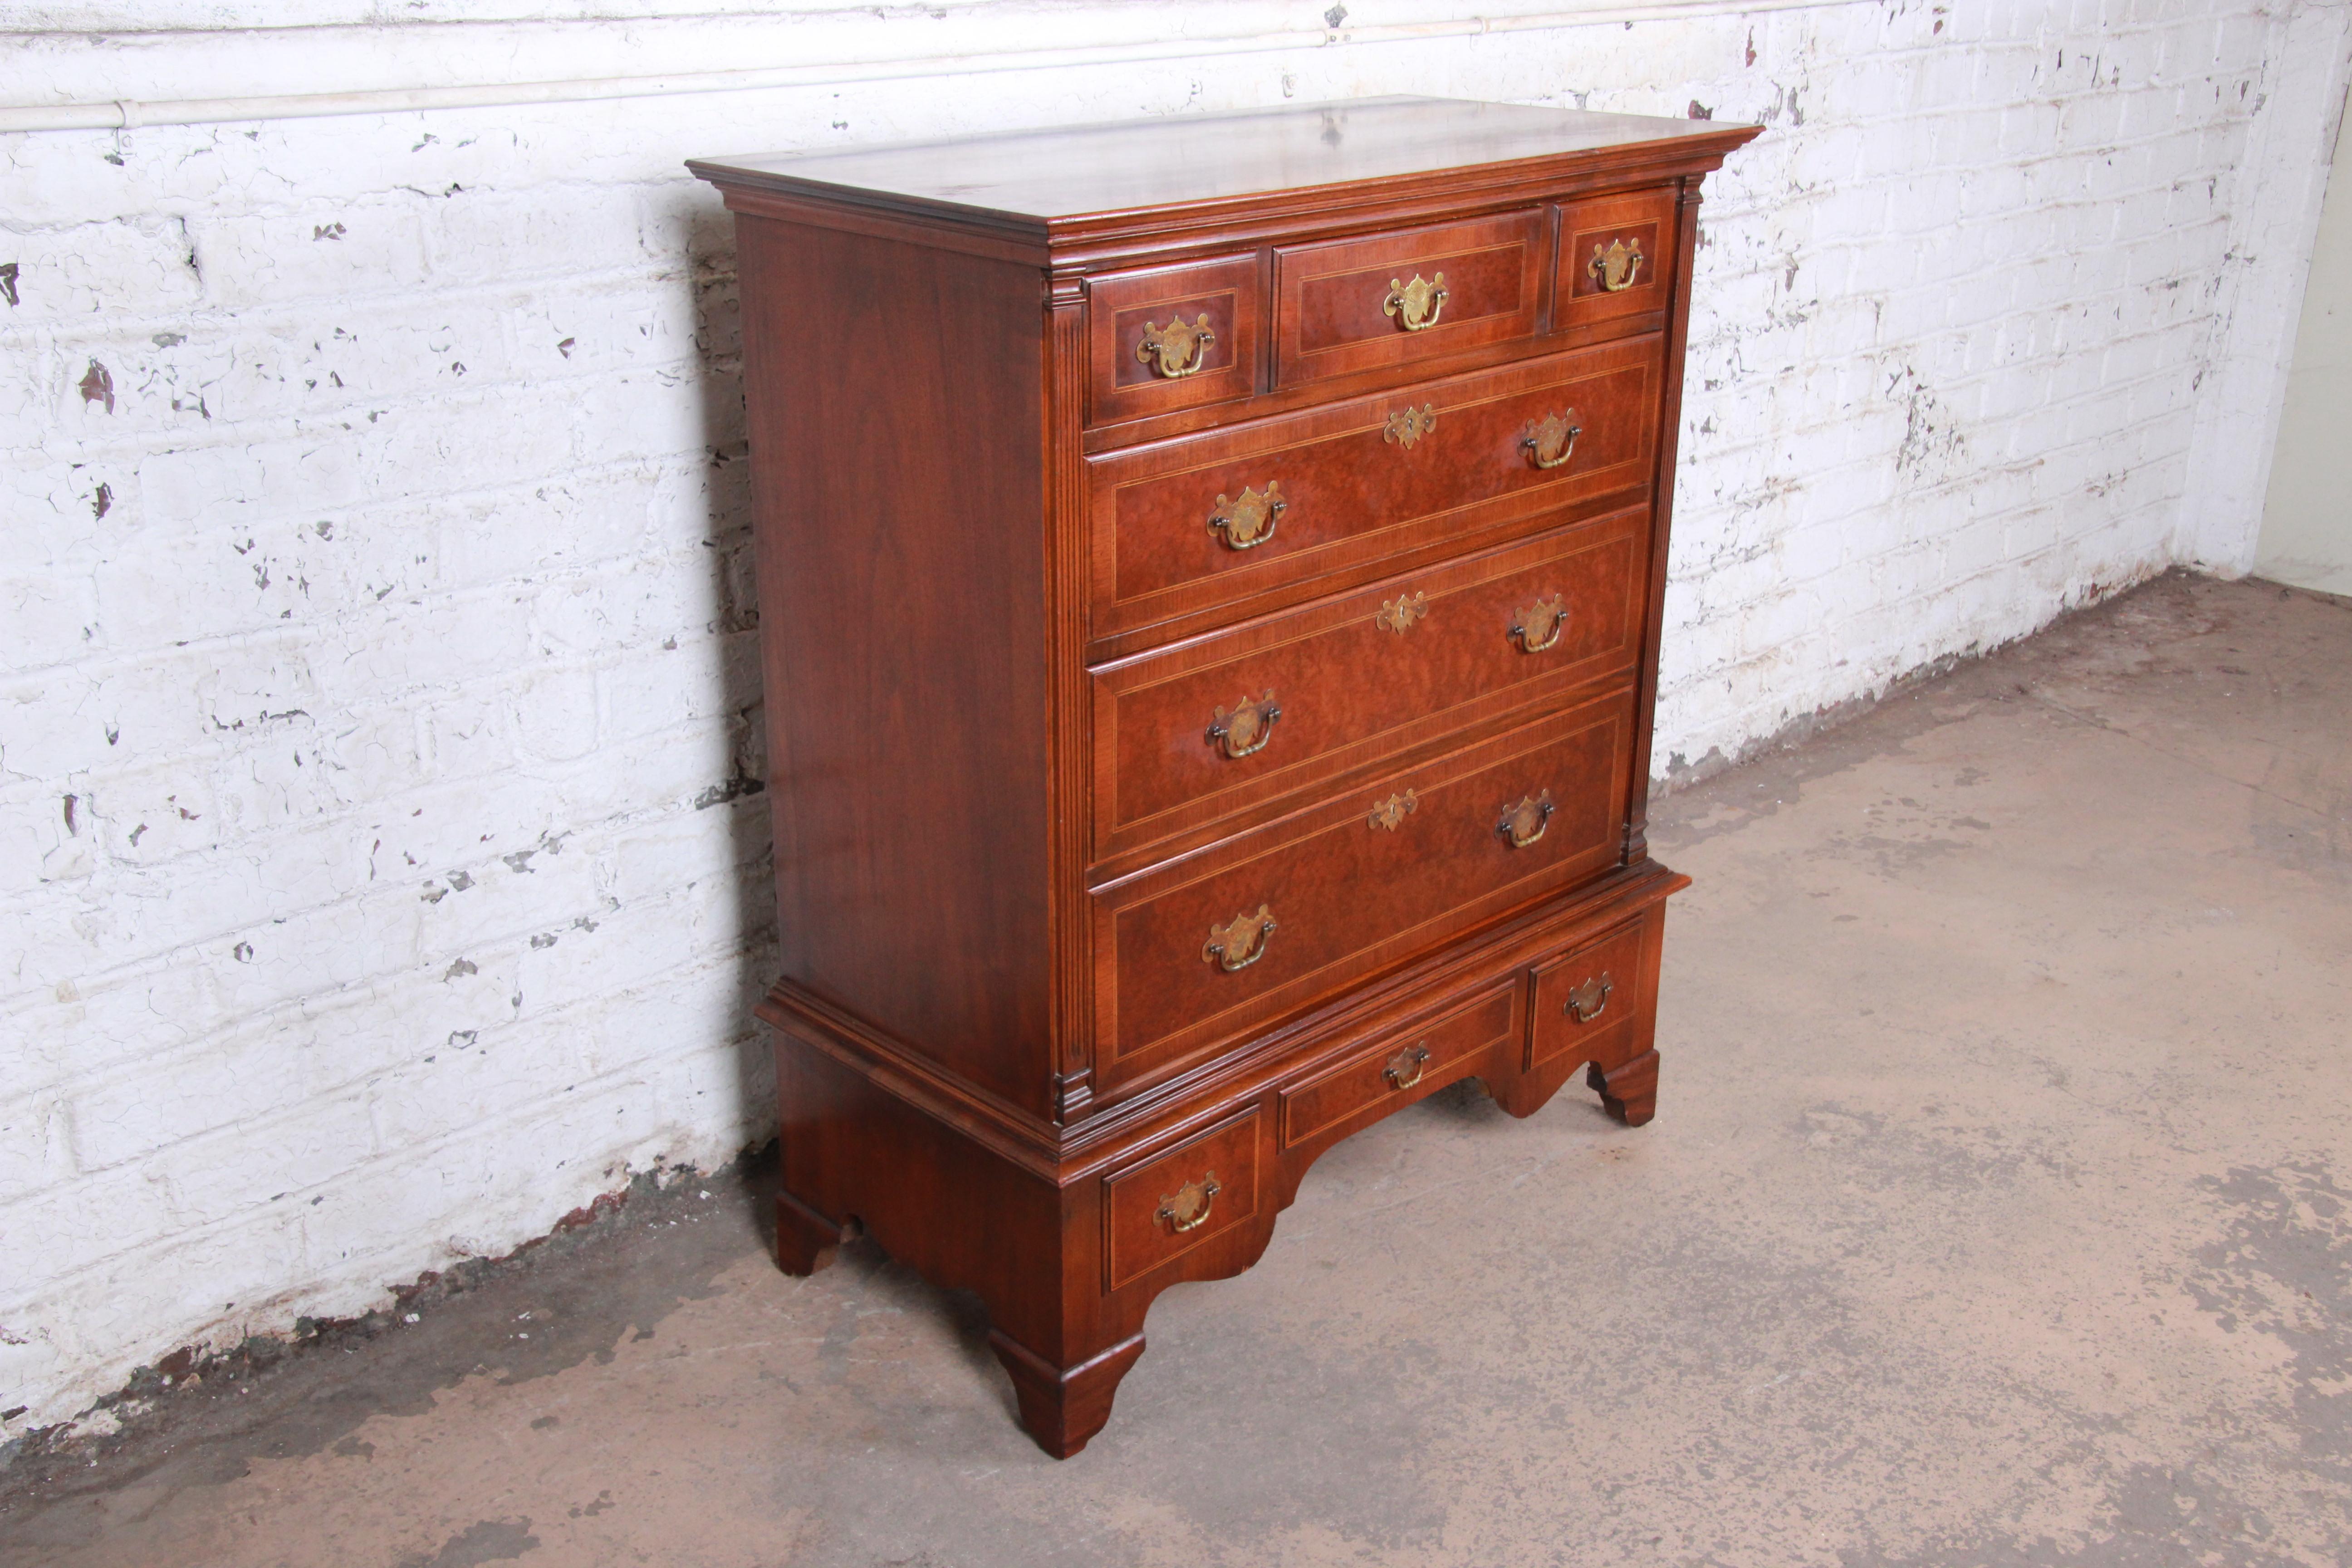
(1068, 1248)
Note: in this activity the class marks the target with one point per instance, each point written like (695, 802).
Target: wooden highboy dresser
(1210, 576)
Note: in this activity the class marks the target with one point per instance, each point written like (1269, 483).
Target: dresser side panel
(894, 400)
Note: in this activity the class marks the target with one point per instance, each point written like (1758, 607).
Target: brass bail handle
(1240, 942)
(1550, 442)
(1405, 1068)
(1416, 306)
(1615, 268)
(1588, 1001)
(1246, 727)
(1187, 1208)
(1524, 822)
(1536, 626)
(1177, 348)
(1247, 523)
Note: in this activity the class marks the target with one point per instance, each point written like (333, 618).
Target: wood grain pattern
(1141, 1231)
(1351, 692)
(1645, 223)
(1397, 1070)
(1654, 619)
(1331, 299)
(907, 778)
(1354, 498)
(1097, 189)
(995, 625)
(1224, 292)
(1349, 898)
(1586, 998)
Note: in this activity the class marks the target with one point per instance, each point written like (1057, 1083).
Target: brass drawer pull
(1525, 823)
(1389, 812)
(1399, 614)
(1247, 728)
(1551, 440)
(1614, 268)
(1176, 349)
(1249, 523)
(1240, 942)
(1405, 1068)
(1590, 999)
(1409, 424)
(1187, 1208)
(1536, 626)
(1415, 305)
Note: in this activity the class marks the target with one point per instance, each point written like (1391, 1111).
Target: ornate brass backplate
(1415, 305)
(1176, 349)
(1398, 614)
(1405, 1068)
(1240, 942)
(1585, 1002)
(1389, 812)
(1551, 440)
(1614, 268)
(1188, 1206)
(1247, 523)
(1246, 727)
(1525, 822)
(1536, 626)
(1409, 424)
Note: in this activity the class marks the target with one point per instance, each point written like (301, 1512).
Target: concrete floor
(1997, 1211)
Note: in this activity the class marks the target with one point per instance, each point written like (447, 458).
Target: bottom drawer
(1161, 1209)
(1588, 999)
(1403, 1066)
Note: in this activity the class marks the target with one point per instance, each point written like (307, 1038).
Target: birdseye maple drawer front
(1616, 256)
(1187, 734)
(1156, 1212)
(1406, 1066)
(1194, 952)
(1585, 998)
(1205, 520)
(1359, 304)
(1172, 337)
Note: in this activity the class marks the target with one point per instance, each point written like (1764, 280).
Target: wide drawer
(1359, 304)
(1190, 524)
(1187, 735)
(1191, 954)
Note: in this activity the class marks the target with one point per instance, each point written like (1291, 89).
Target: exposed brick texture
(382, 870)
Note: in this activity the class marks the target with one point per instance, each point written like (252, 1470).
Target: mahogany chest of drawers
(1210, 577)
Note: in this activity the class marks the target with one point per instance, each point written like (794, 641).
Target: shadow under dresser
(1210, 576)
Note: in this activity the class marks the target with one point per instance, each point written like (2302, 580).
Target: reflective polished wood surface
(1210, 576)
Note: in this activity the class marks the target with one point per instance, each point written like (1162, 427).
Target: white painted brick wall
(377, 678)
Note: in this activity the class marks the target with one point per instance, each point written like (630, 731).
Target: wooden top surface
(1042, 179)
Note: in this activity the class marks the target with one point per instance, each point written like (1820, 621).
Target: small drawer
(1586, 998)
(1163, 1208)
(1172, 337)
(1200, 950)
(1360, 304)
(1404, 1067)
(1616, 257)
(1180, 526)
(1223, 723)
